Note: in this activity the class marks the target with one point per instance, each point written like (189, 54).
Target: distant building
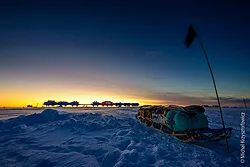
(107, 103)
(118, 104)
(95, 103)
(50, 103)
(126, 104)
(74, 103)
(135, 104)
(62, 103)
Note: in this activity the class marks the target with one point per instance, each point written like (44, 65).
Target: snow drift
(109, 137)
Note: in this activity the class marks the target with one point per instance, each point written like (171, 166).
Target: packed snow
(109, 137)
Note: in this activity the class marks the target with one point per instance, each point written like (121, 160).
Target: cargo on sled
(185, 123)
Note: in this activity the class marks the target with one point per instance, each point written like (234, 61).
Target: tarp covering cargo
(184, 121)
(192, 117)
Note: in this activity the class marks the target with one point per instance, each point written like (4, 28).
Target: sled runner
(187, 124)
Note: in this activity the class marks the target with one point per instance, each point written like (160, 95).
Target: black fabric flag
(190, 36)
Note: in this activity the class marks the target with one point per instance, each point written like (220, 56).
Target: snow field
(107, 138)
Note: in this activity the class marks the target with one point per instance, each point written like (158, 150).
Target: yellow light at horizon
(23, 98)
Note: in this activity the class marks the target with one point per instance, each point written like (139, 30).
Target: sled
(146, 114)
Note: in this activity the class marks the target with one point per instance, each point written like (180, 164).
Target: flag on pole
(191, 34)
(188, 41)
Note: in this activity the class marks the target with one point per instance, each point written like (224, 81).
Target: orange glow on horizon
(22, 98)
(36, 95)
(81, 100)
(24, 103)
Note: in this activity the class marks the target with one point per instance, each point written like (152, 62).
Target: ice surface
(107, 138)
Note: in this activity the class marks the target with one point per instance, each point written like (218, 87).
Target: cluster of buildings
(95, 103)
(61, 103)
(109, 103)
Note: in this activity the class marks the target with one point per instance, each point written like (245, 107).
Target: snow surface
(109, 137)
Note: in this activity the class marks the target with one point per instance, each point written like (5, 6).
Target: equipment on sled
(185, 123)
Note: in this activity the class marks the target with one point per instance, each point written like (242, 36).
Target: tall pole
(245, 103)
(209, 66)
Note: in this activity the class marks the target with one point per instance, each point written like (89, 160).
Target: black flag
(190, 36)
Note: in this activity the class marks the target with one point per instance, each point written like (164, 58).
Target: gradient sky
(123, 51)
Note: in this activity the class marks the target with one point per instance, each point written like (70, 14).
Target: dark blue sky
(134, 48)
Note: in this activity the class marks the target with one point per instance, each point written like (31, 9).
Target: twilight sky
(123, 51)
